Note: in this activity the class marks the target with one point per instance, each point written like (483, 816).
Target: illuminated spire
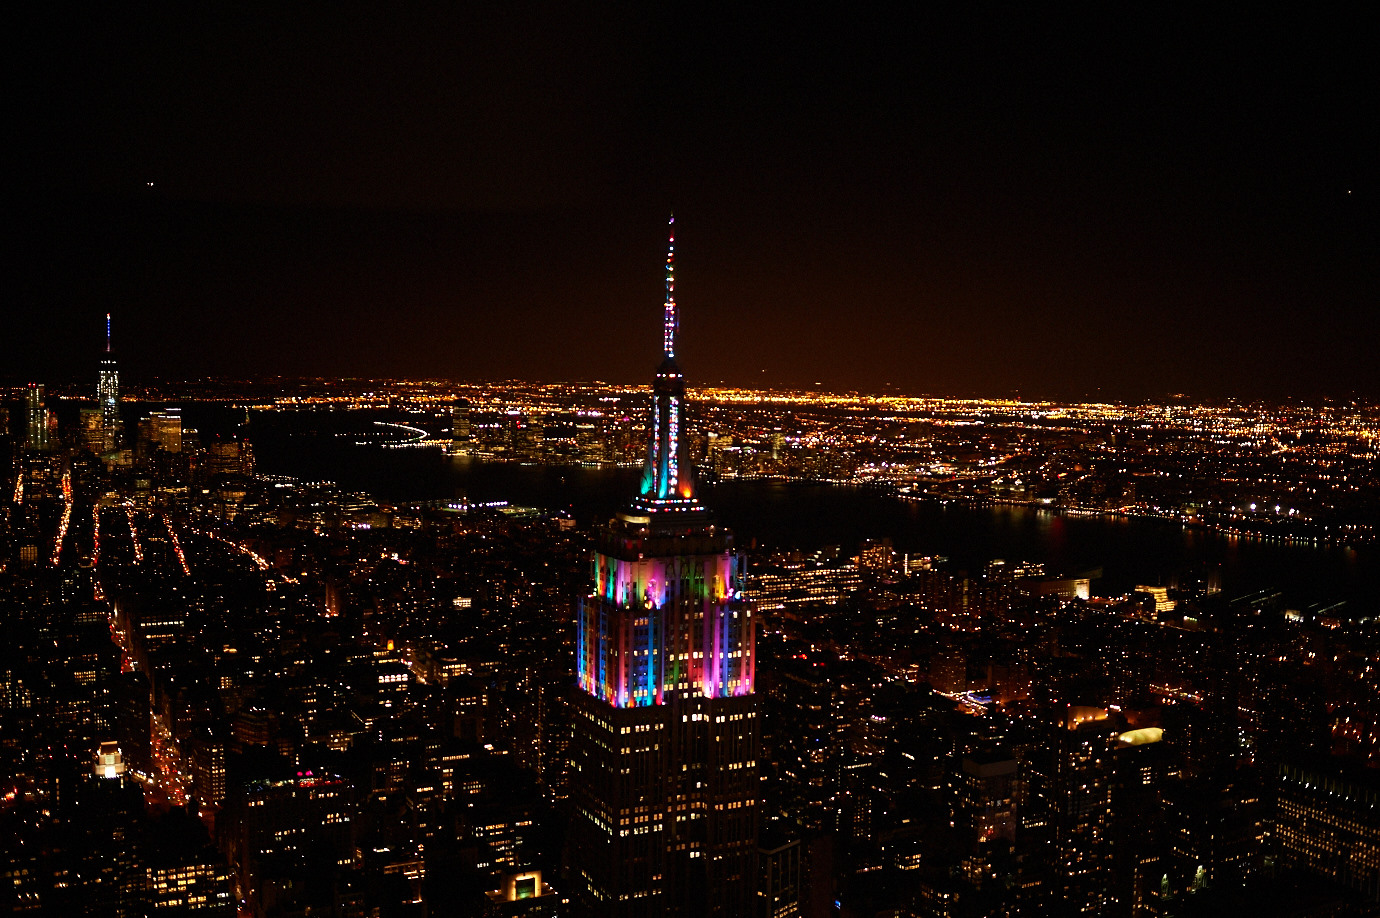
(666, 478)
(671, 322)
(108, 392)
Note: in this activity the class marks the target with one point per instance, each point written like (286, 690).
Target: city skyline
(978, 657)
(948, 204)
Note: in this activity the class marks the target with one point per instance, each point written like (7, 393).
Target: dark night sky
(974, 202)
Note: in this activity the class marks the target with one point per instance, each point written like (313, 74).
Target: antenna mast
(672, 321)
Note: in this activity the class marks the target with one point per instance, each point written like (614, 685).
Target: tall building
(665, 743)
(165, 429)
(779, 886)
(1064, 831)
(461, 442)
(1327, 823)
(92, 429)
(985, 811)
(108, 392)
(1214, 828)
(1141, 764)
(228, 457)
(36, 418)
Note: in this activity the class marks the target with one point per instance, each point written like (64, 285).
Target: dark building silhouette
(1327, 823)
(1065, 819)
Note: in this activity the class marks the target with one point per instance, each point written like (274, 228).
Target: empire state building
(664, 752)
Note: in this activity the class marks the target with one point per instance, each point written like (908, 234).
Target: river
(768, 514)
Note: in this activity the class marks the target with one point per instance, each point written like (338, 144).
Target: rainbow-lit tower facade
(664, 754)
(108, 392)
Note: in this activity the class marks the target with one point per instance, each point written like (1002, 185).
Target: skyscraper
(664, 751)
(108, 392)
(91, 427)
(165, 429)
(36, 418)
(461, 443)
(1065, 816)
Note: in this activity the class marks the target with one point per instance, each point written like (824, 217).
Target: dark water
(775, 514)
(1130, 550)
